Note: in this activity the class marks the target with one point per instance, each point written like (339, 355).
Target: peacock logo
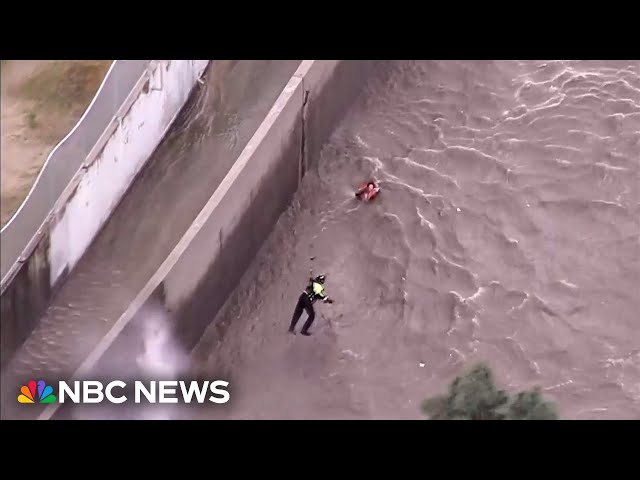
(28, 393)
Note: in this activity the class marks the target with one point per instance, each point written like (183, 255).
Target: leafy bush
(474, 396)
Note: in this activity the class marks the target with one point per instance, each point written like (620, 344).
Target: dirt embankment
(41, 101)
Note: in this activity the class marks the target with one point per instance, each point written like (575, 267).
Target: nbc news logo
(44, 393)
(93, 391)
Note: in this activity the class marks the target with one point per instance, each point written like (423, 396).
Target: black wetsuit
(305, 302)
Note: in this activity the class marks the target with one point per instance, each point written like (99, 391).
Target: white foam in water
(162, 358)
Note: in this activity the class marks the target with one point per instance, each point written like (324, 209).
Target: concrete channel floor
(195, 155)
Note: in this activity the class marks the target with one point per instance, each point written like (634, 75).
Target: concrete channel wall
(103, 173)
(64, 161)
(206, 265)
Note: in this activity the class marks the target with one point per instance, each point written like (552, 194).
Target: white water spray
(162, 358)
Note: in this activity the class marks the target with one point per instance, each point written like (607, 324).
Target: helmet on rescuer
(320, 278)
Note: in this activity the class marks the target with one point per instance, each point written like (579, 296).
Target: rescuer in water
(313, 292)
(368, 191)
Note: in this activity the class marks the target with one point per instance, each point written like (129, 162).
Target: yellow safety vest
(317, 288)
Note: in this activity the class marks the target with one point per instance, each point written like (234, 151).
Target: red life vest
(368, 195)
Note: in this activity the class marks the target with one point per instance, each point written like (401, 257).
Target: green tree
(474, 396)
(530, 405)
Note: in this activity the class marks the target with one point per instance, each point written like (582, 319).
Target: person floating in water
(313, 292)
(368, 191)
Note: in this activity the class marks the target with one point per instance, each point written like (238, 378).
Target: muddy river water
(507, 231)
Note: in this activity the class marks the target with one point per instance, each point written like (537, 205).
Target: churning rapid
(507, 231)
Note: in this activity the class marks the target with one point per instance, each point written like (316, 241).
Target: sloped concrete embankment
(64, 161)
(202, 271)
(83, 207)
